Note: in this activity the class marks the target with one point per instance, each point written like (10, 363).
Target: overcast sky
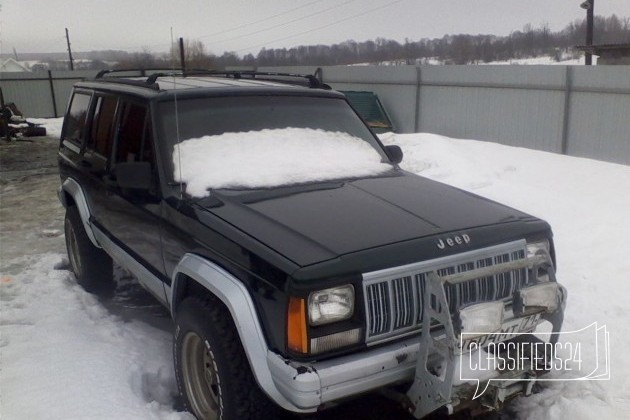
(246, 26)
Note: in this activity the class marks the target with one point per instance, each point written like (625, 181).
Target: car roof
(197, 82)
(185, 86)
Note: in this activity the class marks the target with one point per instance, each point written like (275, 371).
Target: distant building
(609, 53)
(60, 65)
(82, 64)
(39, 67)
(10, 65)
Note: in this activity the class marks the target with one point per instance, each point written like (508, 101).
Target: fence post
(568, 84)
(52, 93)
(4, 121)
(416, 123)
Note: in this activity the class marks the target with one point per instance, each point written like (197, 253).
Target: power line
(323, 26)
(234, 28)
(261, 20)
(283, 24)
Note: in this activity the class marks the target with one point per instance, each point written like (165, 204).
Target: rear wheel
(213, 375)
(92, 266)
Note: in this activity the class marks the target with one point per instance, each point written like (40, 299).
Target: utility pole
(589, 5)
(69, 51)
(181, 54)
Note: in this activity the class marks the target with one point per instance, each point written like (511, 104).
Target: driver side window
(135, 138)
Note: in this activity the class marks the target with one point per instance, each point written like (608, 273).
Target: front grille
(394, 297)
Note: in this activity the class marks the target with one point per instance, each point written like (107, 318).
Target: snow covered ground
(566, 59)
(53, 125)
(65, 354)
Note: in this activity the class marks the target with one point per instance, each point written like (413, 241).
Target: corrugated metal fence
(41, 94)
(577, 110)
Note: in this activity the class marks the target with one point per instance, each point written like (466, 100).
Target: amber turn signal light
(296, 326)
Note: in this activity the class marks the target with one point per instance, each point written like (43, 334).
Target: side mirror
(395, 153)
(136, 175)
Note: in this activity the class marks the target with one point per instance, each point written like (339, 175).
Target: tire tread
(243, 399)
(97, 272)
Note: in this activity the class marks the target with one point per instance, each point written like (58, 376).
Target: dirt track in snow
(30, 215)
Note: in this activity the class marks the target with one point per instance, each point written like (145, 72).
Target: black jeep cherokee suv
(301, 294)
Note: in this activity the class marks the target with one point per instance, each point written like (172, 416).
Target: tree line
(450, 49)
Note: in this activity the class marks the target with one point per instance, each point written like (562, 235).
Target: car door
(95, 158)
(132, 217)
(76, 123)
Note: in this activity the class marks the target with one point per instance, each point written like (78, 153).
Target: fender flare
(71, 187)
(238, 301)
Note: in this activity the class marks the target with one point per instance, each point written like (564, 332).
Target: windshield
(239, 114)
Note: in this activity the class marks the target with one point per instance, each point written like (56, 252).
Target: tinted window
(211, 116)
(217, 115)
(135, 143)
(75, 120)
(100, 139)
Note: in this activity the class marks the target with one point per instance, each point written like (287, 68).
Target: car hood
(312, 223)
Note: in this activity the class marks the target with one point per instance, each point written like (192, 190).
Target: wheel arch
(197, 274)
(71, 193)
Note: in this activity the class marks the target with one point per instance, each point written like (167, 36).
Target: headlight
(331, 305)
(539, 252)
(545, 295)
(483, 318)
(539, 257)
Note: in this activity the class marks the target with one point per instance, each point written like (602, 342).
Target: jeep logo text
(452, 241)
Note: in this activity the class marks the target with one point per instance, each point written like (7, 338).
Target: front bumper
(308, 386)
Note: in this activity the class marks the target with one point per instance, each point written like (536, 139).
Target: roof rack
(309, 80)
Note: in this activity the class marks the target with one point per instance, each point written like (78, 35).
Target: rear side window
(76, 118)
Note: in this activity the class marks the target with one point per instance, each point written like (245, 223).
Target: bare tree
(194, 54)
(140, 60)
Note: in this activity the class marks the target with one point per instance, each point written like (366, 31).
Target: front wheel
(213, 375)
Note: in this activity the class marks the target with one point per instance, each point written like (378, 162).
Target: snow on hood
(270, 158)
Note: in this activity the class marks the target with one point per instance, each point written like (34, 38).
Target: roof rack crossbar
(142, 71)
